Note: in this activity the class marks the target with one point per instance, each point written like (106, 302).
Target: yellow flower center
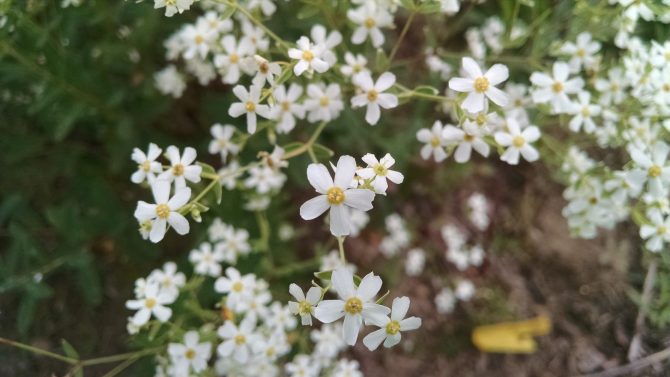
(666, 87)
(234, 58)
(380, 170)
(190, 354)
(481, 84)
(518, 141)
(593, 200)
(264, 68)
(324, 101)
(307, 55)
(370, 23)
(580, 53)
(654, 171)
(304, 307)
(468, 137)
(199, 39)
(372, 95)
(149, 303)
(178, 170)
(480, 119)
(435, 142)
(335, 195)
(667, 55)
(353, 305)
(146, 165)
(285, 106)
(557, 87)
(661, 230)
(393, 327)
(162, 211)
(357, 68)
(237, 287)
(250, 106)
(586, 112)
(240, 339)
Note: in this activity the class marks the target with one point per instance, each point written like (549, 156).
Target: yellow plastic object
(511, 337)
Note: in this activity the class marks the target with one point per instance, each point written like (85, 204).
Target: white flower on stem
(369, 18)
(147, 166)
(249, 105)
(265, 70)
(468, 138)
(464, 290)
(416, 259)
(390, 328)
(153, 302)
(335, 195)
(555, 89)
(657, 233)
(305, 303)
(182, 168)
(308, 56)
(347, 368)
(287, 107)
(173, 6)
(170, 81)
(378, 172)
(169, 279)
(215, 22)
(235, 286)
(235, 242)
(198, 40)
(165, 211)
(229, 175)
(355, 305)
(445, 301)
(651, 168)
(320, 36)
(354, 64)
(612, 89)
(264, 179)
(230, 61)
(434, 142)
(268, 7)
(239, 341)
(584, 112)
(518, 142)
(332, 261)
(222, 142)
(324, 102)
(254, 36)
(480, 85)
(191, 355)
(450, 7)
(302, 366)
(582, 52)
(206, 261)
(373, 95)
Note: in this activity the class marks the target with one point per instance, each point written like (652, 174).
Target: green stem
(257, 22)
(404, 31)
(340, 245)
(38, 351)
(308, 145)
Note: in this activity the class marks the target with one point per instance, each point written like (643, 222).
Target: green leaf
(324, 275)
(69, 350)
(429, 8)
(307, 12)
(381, 60)
(228, 12)
(408, 4)
(292, 146)
(321, 152)
(427, 89)
(206, 168)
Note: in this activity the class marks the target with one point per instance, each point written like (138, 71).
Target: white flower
(236, 286)
(390, 330)
(464, 290)
(369, 19)
(229, 175)
(165, 211)
(328, 341)
(264, 179)
(147, 166)
(153, 302)
(265, 71)
(286, 108)
(191, 355)
(652, 168)
(378, 171)
(612, 89)
(356, 303)
(582, 52)
(267, 6)
(234, 242)
(347, 368)
(280, 318)
(479, 207)
(453, 236)
(305, 304)
(480, 85)
(584, 112)
(416, 259)
(173, 6)
(238, 341)
(320, 36)
(373, 95)
(222, 142)
(445, 301)
(450, 6)
(302, 366)
(332, 261)
(658, 232)
(468, 138)
(249, 104)
(198, 40)
(434, 142)
(335, 195)
(206, 261)
(254, 37)
(308, 56)
(181, 168)
(230, 62)
(359, 220)
(324, 102)
(169, 81)
(354, 64)
(169, 279)
(555, 89)
(518, 141)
